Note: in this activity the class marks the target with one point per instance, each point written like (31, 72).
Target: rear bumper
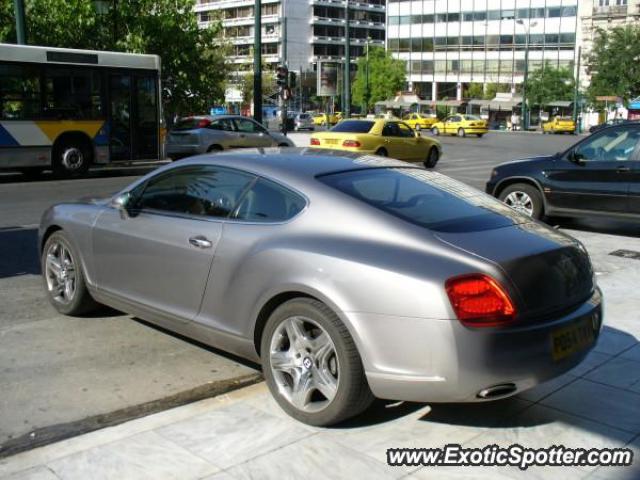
(444, 361)
(475, 130)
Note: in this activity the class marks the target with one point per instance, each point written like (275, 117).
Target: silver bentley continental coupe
(348, 277)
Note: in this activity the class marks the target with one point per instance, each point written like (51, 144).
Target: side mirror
(575, 157)
(121, 203)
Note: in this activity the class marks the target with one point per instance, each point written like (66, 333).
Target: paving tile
(36, 473)
(540, 391)
(613, 341)
(414, 427)
(608, 405)
(141, 457)
(220, 476)
(314, 458)
(592, 360)
(632, 353)
(497, 473)
(233, 434)
(618, 372)
(631, 472)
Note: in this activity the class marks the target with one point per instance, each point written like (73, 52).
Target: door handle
(200, 242)
(623, 169)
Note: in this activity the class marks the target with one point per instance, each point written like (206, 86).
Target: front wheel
(311, 364)
(461, 132)
(432, 158)
(435, 131)
(480, 135)
(71, 159)
(524, 198)
(381, 152)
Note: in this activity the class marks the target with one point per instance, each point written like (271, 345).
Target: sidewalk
(244, 435)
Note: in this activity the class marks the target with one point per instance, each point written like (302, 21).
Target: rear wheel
(461, 132)
(435, 131)
(381, 152)
(214, 149)
(311, 364)
(432, 158)
(63, 277)
(71, 158)
(524, 198)
(479, 135)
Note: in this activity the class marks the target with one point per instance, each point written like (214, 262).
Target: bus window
(147, 121)
(19, 92)
(72, 94)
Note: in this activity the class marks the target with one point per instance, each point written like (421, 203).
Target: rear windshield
(473, 117)
(425, 198)
(353, 126)
(188, 123)
(303, 116)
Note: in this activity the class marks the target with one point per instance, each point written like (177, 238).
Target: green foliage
(613, 63)
(193, 58)
(495, 88)
(550, 84)
(474, 90)
(387, 76)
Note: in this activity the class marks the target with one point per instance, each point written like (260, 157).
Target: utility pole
(283, 96)
(576, 92)
(525, 116)
(366, 82)
(347, 62)
(21, 31)
(257, 62)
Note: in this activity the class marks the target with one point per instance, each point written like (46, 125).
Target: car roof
(293, 163)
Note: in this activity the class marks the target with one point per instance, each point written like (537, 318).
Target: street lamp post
(257, 62)
(527, 27)
(366, 82)
(347, 62)
(21, 30)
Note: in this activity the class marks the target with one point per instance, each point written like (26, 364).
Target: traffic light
(292, 80)
(282, 76)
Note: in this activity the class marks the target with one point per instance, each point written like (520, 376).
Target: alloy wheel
(520, 201)
(304, 364)
(60, 273)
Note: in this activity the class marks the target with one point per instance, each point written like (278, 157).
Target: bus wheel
(71, 159)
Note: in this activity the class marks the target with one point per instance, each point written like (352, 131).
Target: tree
(474, 90)
(613, 63)
(550, 84)
(193, 58)
(245, 84)
(494, 88)
(387, 76)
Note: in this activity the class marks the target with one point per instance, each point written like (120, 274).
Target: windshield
(425, 198)
(353, 126)
(190, 123)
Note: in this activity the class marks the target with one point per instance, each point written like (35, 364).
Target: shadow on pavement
(107, 172)
(19, 247)
(598, 225)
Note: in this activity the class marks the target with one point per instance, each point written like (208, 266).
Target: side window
(456, 119)
(224, 124)
(267, 201)
(248, 126)
(72, 93)
(405, 130)
(617, 145)
(390, 130)
(19, 92)
(202, 191)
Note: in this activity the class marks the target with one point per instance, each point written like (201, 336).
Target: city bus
(66, 109)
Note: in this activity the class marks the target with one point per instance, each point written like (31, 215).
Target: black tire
(462, 133)
(214, 149)
(81, 302)
(533, 193)
(382, 152)
(71, 158)
(435, 131)
(432, 158)
(479, 135)
(352, 396)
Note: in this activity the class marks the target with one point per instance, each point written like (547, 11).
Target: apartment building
(602, 14)
(315, 29)
(449, 44)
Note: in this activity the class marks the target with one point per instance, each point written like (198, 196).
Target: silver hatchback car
(346, 276)
(303, 121)
(202, 134)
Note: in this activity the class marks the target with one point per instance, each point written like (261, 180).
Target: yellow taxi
(559, 125)
(388, 138)
(324, 119)
(420, 121)
(460, 125)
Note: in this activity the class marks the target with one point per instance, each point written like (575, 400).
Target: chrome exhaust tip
(497, 391)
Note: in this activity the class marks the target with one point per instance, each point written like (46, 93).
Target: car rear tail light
(479, 301)
(315, 141)
(204, 123)
(350, 143)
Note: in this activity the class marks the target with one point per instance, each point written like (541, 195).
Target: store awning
(504, 106)
(560, 104)
(479, 102)
(449, 103)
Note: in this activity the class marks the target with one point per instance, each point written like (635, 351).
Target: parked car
(326, 120)
(386, 138)
(609, 123)
(461, 125)
(202, 134)
(597, 176)
(303, 121)
(346, 276)
(420, 121)
(559, 125)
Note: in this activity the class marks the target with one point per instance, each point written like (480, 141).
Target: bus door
(133, 113)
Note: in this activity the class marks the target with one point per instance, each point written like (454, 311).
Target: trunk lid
(549, 270)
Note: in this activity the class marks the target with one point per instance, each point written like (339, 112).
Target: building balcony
(611, 11)
(340, 41)
(204, 5)
(353, 5)
(352, 23)
(249, 40)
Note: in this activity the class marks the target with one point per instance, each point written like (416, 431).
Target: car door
(158, 255)
(252, 134)
(596, 174)
(222, 132)
(412, 148)
(452, 124)
(392, 141)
